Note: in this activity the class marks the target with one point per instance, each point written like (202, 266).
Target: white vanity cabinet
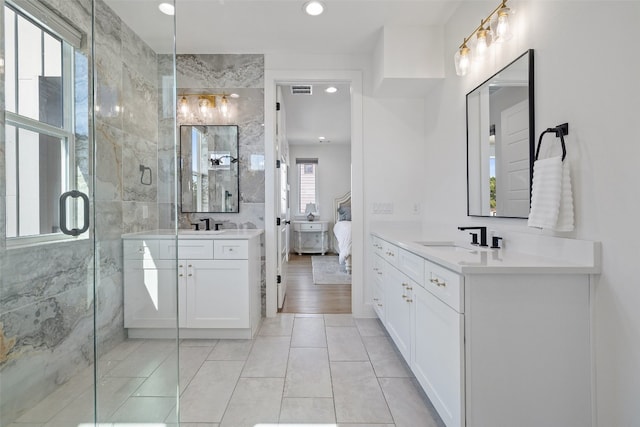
(493, 338)
(214, 282)
(438, 350)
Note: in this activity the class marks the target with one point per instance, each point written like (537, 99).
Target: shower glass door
(87, 156)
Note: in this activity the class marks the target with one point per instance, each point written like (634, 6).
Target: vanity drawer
(187, 249)
(412, 265)
(231, 249)
(310, 226)
(445, 284)
(390, 253)
(140, 249)
(377, 245)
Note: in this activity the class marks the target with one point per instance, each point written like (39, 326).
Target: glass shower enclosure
(87, 154)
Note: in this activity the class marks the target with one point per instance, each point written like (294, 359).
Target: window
(39, 150)
(307, 177)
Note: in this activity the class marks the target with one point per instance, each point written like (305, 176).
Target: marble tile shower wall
(46, 297)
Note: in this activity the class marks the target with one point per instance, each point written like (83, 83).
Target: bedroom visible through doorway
(314, 140)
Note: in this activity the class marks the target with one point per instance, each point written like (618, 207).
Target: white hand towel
(545, 193)
(565, 215)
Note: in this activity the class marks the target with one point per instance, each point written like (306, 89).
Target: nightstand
(310, 237)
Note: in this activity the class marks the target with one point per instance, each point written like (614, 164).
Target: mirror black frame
(237, 165)
(532, 130)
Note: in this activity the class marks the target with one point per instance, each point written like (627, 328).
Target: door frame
(272, 79)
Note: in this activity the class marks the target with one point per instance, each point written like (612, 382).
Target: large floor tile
(122, 350)
(357, 394)
(268, 357)
(231, 350)
(408, 404)
(145, 359)
(386, 360)
(254, 401)
(44, 411)
(339, 320)
(144, 410)
(163, 380)
(364, 425)
(281, 324)
(345, 344)
(308, 373)
(307, 411)
(370, 328)
(308, 332)
(206, 397)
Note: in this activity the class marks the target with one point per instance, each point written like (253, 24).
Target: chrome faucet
(483, 235)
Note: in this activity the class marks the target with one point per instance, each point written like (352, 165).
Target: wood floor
(304, 297)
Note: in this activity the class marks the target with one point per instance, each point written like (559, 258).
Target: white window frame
(300, 211)
(35, 12)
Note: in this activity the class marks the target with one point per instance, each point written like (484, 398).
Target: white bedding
(342, 231)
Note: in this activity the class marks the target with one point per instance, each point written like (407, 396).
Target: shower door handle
(63, 212)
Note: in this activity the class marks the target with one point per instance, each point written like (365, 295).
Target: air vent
(301, 90)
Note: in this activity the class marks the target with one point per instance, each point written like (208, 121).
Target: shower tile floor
(300, 370)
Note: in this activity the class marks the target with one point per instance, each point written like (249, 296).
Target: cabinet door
(398, 309)
(150, 293)
(437, 359)
(217, 294)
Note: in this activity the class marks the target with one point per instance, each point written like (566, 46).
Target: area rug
(328, 271)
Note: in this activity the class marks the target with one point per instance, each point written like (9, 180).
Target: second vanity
(218, 283)
(494, 337)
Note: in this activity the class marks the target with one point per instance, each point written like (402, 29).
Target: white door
(150, 294)
(513, 170)
(282, 199)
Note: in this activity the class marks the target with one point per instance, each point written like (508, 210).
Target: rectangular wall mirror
(500, 142)
(209, 168)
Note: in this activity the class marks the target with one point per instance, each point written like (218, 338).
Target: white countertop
(468, 259)
(228, 234)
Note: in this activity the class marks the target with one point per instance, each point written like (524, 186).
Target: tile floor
(301, 370)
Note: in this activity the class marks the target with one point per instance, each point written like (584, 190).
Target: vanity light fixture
(167, 9)
(206, 103)
(313, 7)
(495, 28)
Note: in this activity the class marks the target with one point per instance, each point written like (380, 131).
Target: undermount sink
(445, 246)
(203, 232)
(449, 247)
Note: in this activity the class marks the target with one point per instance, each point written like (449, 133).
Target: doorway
(353, 80)
(314, 138)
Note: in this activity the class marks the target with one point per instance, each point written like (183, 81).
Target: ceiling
(347, 27)
(308, 117)
(270, 26)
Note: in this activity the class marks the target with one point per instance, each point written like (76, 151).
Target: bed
(342, 229)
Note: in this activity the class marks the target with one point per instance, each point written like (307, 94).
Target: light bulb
(224, 106)
(203, 104)
(463, 60)
(184, 105)
(503, 29)
(481, 45)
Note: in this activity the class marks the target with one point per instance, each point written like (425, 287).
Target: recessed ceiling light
(321, 138)
(313, 8)
(331, 89)
(167, 8)
(234, 95)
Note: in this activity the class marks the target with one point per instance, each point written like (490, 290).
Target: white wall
(333, 180)
(590, 80)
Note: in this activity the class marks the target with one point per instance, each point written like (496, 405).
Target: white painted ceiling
(280, 26)
(269, 26)
(308, 117)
